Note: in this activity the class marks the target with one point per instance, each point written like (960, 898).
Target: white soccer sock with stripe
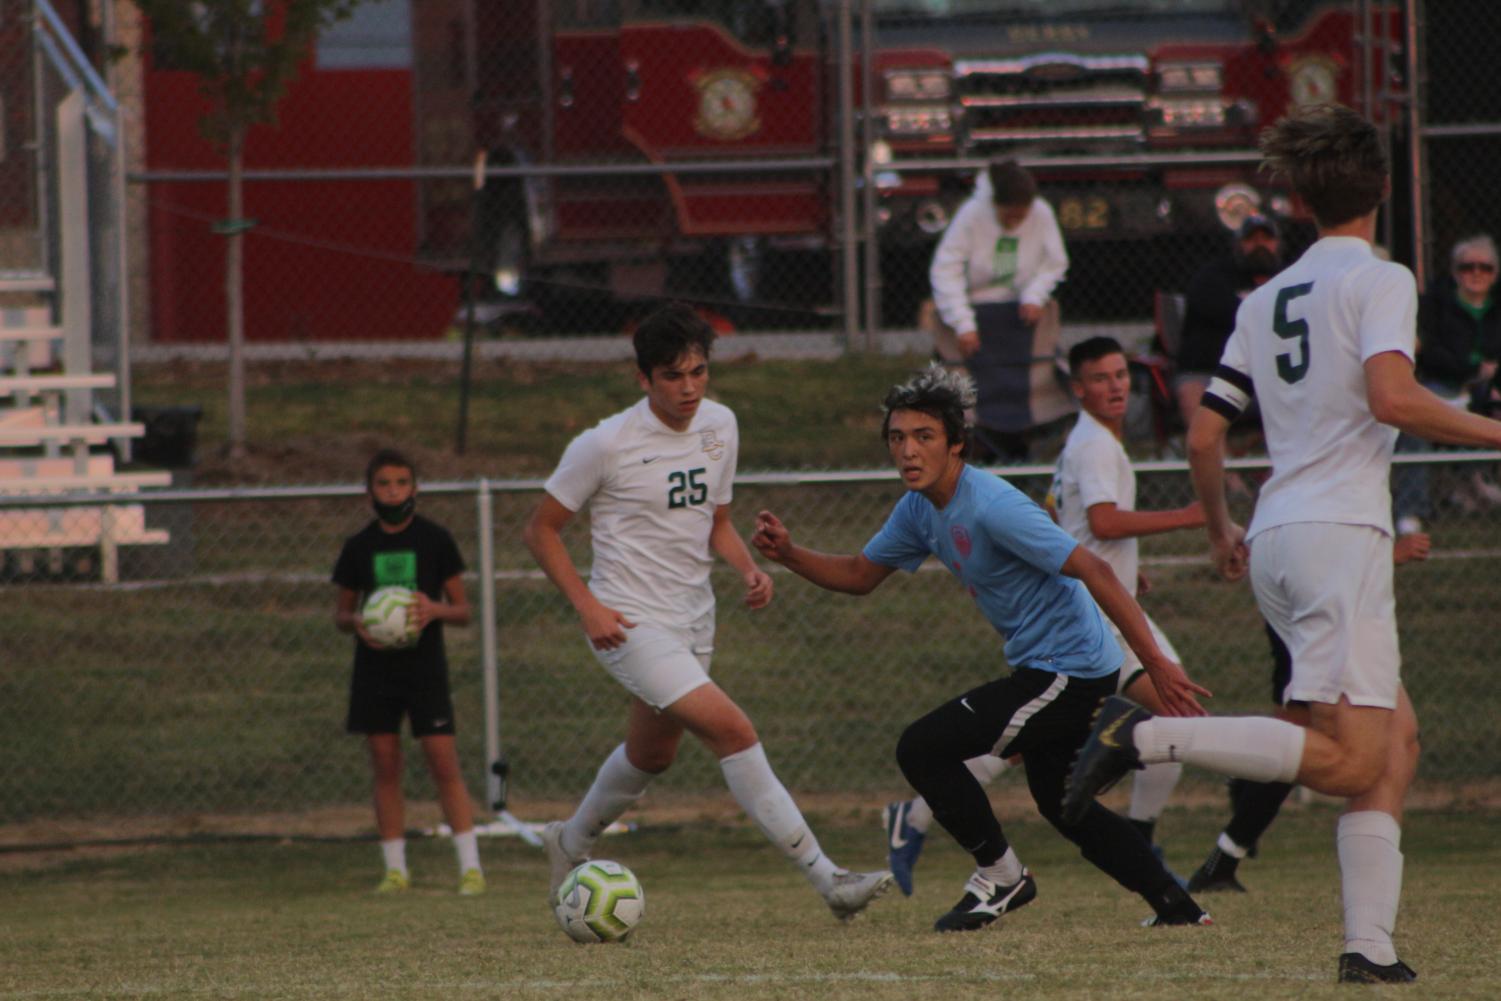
(763, 797)
(395, 854)
(466, 846)
(617, 785)
(984, 768)
(1248, 747)
(1152, 788)
(1370, 868)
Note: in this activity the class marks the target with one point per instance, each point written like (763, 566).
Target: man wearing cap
(1213, 296)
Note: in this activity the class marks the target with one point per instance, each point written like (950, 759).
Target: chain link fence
(207, 678)
(545, 168)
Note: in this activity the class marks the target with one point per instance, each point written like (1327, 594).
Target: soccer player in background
(402, 548)
(1044, 593)
(1326, 347)
(658, 479)
(1093, 498)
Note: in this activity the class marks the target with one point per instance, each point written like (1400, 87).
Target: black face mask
(395, 514)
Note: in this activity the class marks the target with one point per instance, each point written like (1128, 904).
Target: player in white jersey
(1093, 498)
(1327, 348)
(658, 479)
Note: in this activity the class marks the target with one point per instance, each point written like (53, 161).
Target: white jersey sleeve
(581, 470)
(1381, 303)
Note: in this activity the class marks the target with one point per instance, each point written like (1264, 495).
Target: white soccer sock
(763, 797)
(919, 815)
(1248, 747)
(466, 846)
(1152, 788)
(395, 854)
(1229, 847)
(1004, 871)
(617, 785)
(1370, 866)
(984, 768)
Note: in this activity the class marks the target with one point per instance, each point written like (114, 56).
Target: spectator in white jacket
(1003, 246)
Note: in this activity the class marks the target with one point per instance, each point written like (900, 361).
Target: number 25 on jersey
(686, 488)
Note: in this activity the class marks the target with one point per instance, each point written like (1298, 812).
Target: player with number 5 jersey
(658, 479)
(1327, 349)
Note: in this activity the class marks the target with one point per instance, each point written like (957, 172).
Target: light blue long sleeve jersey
(1008, 553)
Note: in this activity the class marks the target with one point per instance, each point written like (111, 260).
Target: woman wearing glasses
(1459, 340)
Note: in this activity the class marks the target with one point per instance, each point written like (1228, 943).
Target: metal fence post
(849, 271)
(495, 785)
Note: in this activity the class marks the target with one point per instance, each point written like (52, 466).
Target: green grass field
(726, 918)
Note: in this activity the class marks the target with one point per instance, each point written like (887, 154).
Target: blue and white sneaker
(903, 845)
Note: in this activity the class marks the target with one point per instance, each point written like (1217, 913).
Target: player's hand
(969, 342)
(1176, 690)
(422, 611)
(604, 626)
(1030, 313)
(1142, 584)
(1410, 547)
(1194, 513)
(365, 638)
(1232, 556)
(771, 538)
(758, 589)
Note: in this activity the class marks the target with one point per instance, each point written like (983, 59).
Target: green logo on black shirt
(397, 568)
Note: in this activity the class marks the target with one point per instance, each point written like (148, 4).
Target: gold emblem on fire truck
(727, 104)
(1311, 80)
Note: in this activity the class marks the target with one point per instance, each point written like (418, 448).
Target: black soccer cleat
(1216, 875)
(983, 902)
(1356, 969)
(1108, 754)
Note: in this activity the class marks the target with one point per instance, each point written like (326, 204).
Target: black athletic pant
(1254, 805)
(1045, 717)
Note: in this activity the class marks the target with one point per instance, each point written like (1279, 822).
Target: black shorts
(378, 699)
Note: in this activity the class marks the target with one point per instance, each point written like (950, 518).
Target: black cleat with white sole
(984, 901)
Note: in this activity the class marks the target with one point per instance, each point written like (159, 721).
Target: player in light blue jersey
(1043, 593)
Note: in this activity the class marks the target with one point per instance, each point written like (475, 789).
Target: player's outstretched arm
(849, 574)
(725, 541)
(1399, 400)
(604, 626)
(1206, 463)
(1171, 681)
(1106, 521)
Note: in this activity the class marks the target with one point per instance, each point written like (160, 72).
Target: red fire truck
(1139, 117)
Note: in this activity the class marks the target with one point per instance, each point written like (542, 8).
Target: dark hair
(1333, 158)
(387, 457)
(1092, 349)
(668, 334)
(938, 392)
(1011, 183)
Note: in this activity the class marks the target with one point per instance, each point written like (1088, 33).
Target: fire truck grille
(1056, 100)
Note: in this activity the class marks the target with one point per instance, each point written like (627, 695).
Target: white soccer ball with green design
(387, 616)
(600, 901)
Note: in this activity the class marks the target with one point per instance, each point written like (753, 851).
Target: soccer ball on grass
(599, 901)
(387, 617)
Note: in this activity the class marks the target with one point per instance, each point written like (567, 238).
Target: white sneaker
(852, 892)
(560, 861)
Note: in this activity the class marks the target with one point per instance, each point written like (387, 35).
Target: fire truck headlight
(1182, 76)
(918, 121)
(917, 85)
(1234, 202)
(1178, 113)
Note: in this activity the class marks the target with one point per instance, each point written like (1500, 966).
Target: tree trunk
(234, 288)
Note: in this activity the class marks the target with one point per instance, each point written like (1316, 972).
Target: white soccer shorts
(1327, 591)
(660, 664)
